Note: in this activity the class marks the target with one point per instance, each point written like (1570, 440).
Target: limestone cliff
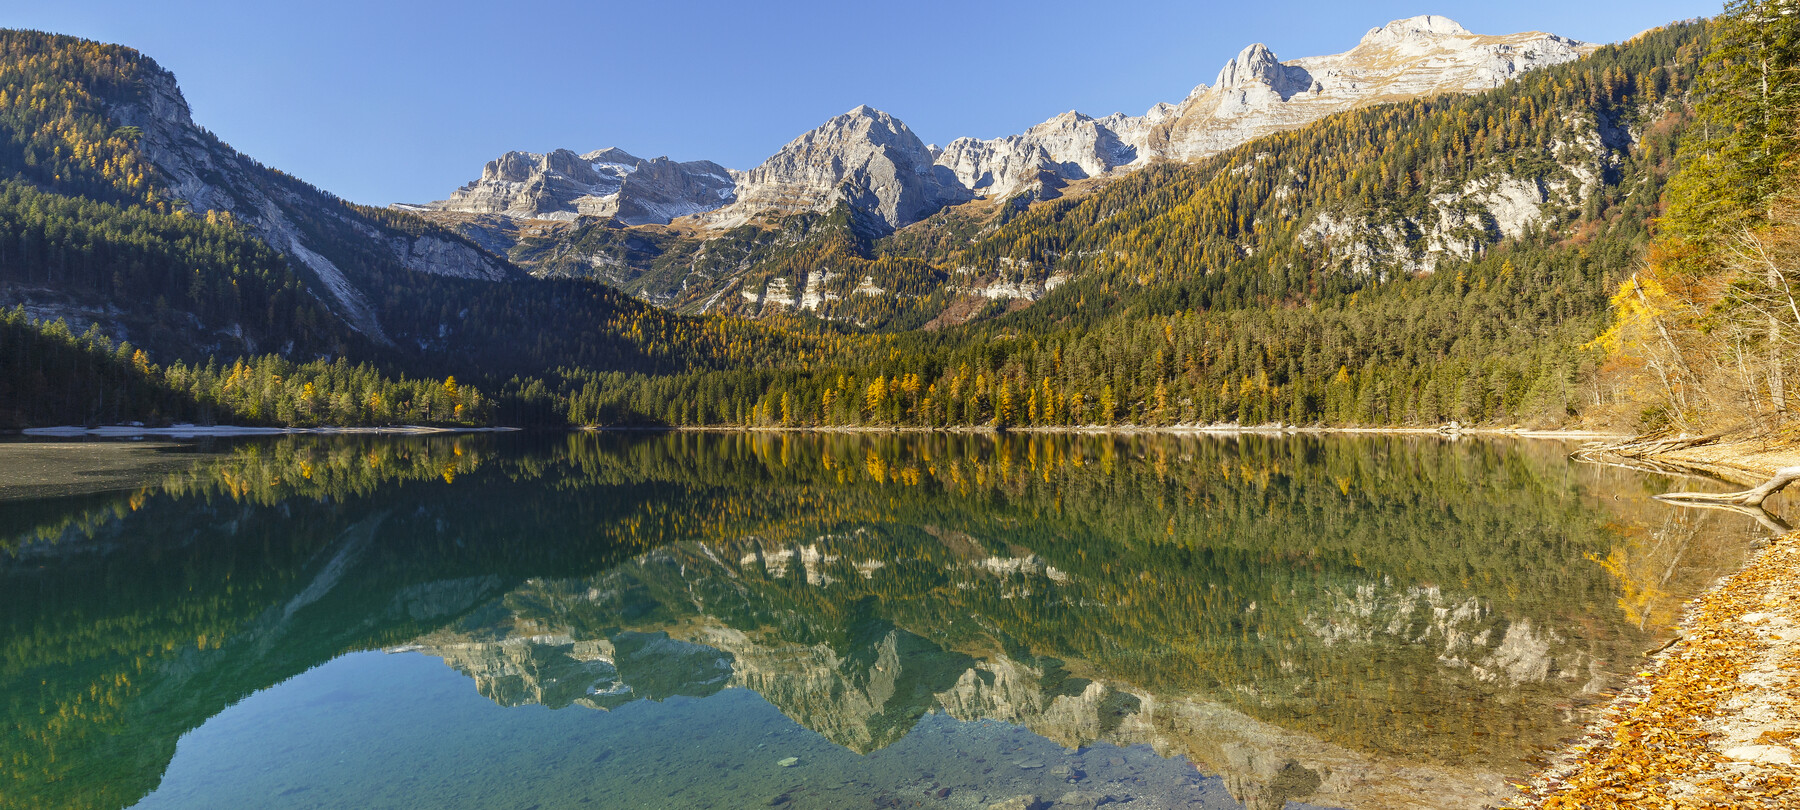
(203, 174)
(561, 185)
(1255, 94)
(864, 157)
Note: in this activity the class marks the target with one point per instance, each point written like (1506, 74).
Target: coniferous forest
(1291, 280)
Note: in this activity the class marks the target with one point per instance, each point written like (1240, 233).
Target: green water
(650, 620)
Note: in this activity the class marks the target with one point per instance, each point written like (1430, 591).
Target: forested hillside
(1705, 336)
(116, 212)
(49, 375)
(1445, 258)
(1344, 273)
(87, 227)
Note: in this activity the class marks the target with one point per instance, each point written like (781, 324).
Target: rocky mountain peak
(510, 167)
(611, 182)
(1068, 146)
(864, 157)
(864, 123)
(1422, 26)
(1256, 94)
(1256, 68)
(874, 162)
(1255, 63)
(612, 154)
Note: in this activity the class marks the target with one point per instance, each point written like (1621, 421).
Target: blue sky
(403, 101)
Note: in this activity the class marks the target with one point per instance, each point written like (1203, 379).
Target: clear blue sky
(404, 101)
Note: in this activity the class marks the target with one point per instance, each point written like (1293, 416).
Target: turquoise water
(722, 620)
(374, 730)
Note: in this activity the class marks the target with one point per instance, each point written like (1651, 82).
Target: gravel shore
(1713, 720)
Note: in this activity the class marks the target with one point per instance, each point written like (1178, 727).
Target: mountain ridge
(194, 163)
(1253, 94)
(609, 182)
(1276, 240)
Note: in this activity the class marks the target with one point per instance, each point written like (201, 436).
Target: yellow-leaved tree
(1707, 334)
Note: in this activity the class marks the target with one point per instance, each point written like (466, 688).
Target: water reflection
(1347, 621)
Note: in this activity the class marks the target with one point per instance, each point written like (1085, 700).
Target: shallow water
(368, 730)
(938, 621)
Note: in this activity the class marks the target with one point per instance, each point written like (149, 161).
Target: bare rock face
(563, 185)
(443, 257)
(524, 184)
(864, 157)
(1070, 146)
(204, 174)
(1256, 94)
(873, 162)
(660, 190)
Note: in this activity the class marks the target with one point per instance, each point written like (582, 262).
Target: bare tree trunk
(1777, 391)
(1748, 497)
(1675, 397)
(1748, 381)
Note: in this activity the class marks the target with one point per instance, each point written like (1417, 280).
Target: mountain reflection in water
(1373, 621)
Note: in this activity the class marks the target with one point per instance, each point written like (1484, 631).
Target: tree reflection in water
(1316, 618)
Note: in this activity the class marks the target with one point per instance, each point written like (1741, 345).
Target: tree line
(51, 375)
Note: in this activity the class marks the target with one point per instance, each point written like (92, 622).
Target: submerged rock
(1026, 802)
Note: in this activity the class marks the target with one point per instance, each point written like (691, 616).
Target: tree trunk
(1777, 386)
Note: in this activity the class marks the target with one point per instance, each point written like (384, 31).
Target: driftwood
(1667, 644)
(1650, 446)
(1749, 497)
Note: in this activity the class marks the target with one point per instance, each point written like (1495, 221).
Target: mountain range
(543, 211)
(1294, 191)
(872, 161)
(562, 185)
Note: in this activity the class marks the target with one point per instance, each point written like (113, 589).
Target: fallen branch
(1645, 446)
(1748, 497)
(1667, 644)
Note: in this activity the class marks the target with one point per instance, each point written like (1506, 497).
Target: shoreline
(1713, 719)
(190, 431)
(1172, 430)
(185, 431)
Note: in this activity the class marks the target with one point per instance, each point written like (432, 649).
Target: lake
(724, 620)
